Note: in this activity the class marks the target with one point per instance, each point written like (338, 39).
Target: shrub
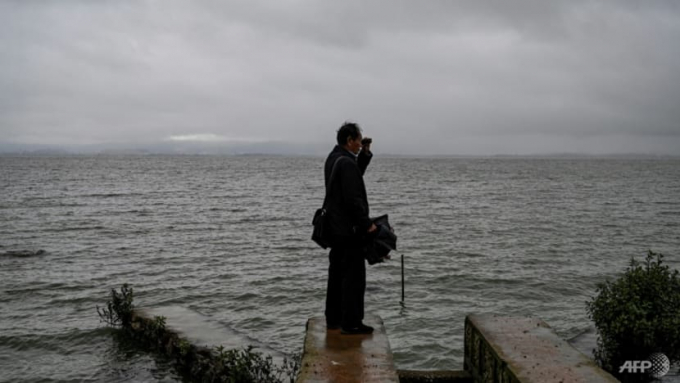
(637, 315)
(118, 311)
(248, 366)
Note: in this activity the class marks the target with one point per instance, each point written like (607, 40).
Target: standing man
(349, 225)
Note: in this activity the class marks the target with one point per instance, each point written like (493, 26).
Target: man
(349, 225)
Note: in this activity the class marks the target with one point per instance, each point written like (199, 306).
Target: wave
(111, 195)
(80, 228)
(23, 253)
(59, 341)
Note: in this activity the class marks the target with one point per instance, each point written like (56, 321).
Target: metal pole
(402, 278)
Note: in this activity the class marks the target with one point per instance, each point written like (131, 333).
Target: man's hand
(366, 144)
(372, 228)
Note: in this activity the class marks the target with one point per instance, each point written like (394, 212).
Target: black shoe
(360, 329)
(332, 326)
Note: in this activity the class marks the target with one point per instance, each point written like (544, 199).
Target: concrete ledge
(524, 350)
(203, 350)
(204, 332)
(332, 357)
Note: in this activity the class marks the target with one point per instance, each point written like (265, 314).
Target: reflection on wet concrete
(330, 356)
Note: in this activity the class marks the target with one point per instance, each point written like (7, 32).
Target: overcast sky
(420, 77)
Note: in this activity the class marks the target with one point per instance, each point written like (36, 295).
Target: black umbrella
(383, 240)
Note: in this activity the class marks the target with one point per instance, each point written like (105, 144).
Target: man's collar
(347, 151)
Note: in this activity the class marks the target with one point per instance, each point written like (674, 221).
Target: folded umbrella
(381, 242)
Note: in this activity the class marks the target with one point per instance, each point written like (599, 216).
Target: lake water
(228, 237)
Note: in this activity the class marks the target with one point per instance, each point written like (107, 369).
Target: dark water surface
(229, 238)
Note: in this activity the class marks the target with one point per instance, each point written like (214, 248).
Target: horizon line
(145, 152)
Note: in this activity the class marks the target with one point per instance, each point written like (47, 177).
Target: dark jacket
(346, 203)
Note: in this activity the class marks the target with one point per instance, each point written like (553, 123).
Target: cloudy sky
(421, 77)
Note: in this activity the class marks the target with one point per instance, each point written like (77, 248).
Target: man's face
(354, 146)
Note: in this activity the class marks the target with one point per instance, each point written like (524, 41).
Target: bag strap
(330, 180)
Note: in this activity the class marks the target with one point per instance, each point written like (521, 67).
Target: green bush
(637, 315)
(118, 311)
(248, 366)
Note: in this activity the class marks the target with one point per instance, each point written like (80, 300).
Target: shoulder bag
(321, 234)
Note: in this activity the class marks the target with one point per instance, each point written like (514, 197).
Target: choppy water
(229, 237)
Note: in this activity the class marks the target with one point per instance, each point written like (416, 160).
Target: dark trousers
(346, 287)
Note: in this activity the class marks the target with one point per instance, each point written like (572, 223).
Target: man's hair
(348, 129)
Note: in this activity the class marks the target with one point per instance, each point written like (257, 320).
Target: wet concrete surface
(330, 356)
(439, 376)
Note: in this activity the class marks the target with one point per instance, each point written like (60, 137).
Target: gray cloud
(431, 78)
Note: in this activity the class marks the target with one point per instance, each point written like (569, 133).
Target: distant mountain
(37, 150)
(257, 148)
(168, 147)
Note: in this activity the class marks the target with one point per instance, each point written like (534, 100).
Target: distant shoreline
(629, 156)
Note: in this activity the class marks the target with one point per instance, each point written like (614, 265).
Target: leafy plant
(246, 365)
(637, 315)
(154, 329)
(184, 348)
(118, 311)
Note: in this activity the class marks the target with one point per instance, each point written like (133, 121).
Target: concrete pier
(524, 350)
(205, 332)
(332, 357)
(196, 328)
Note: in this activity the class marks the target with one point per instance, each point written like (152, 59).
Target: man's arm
(365, 155)
(353, 197)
